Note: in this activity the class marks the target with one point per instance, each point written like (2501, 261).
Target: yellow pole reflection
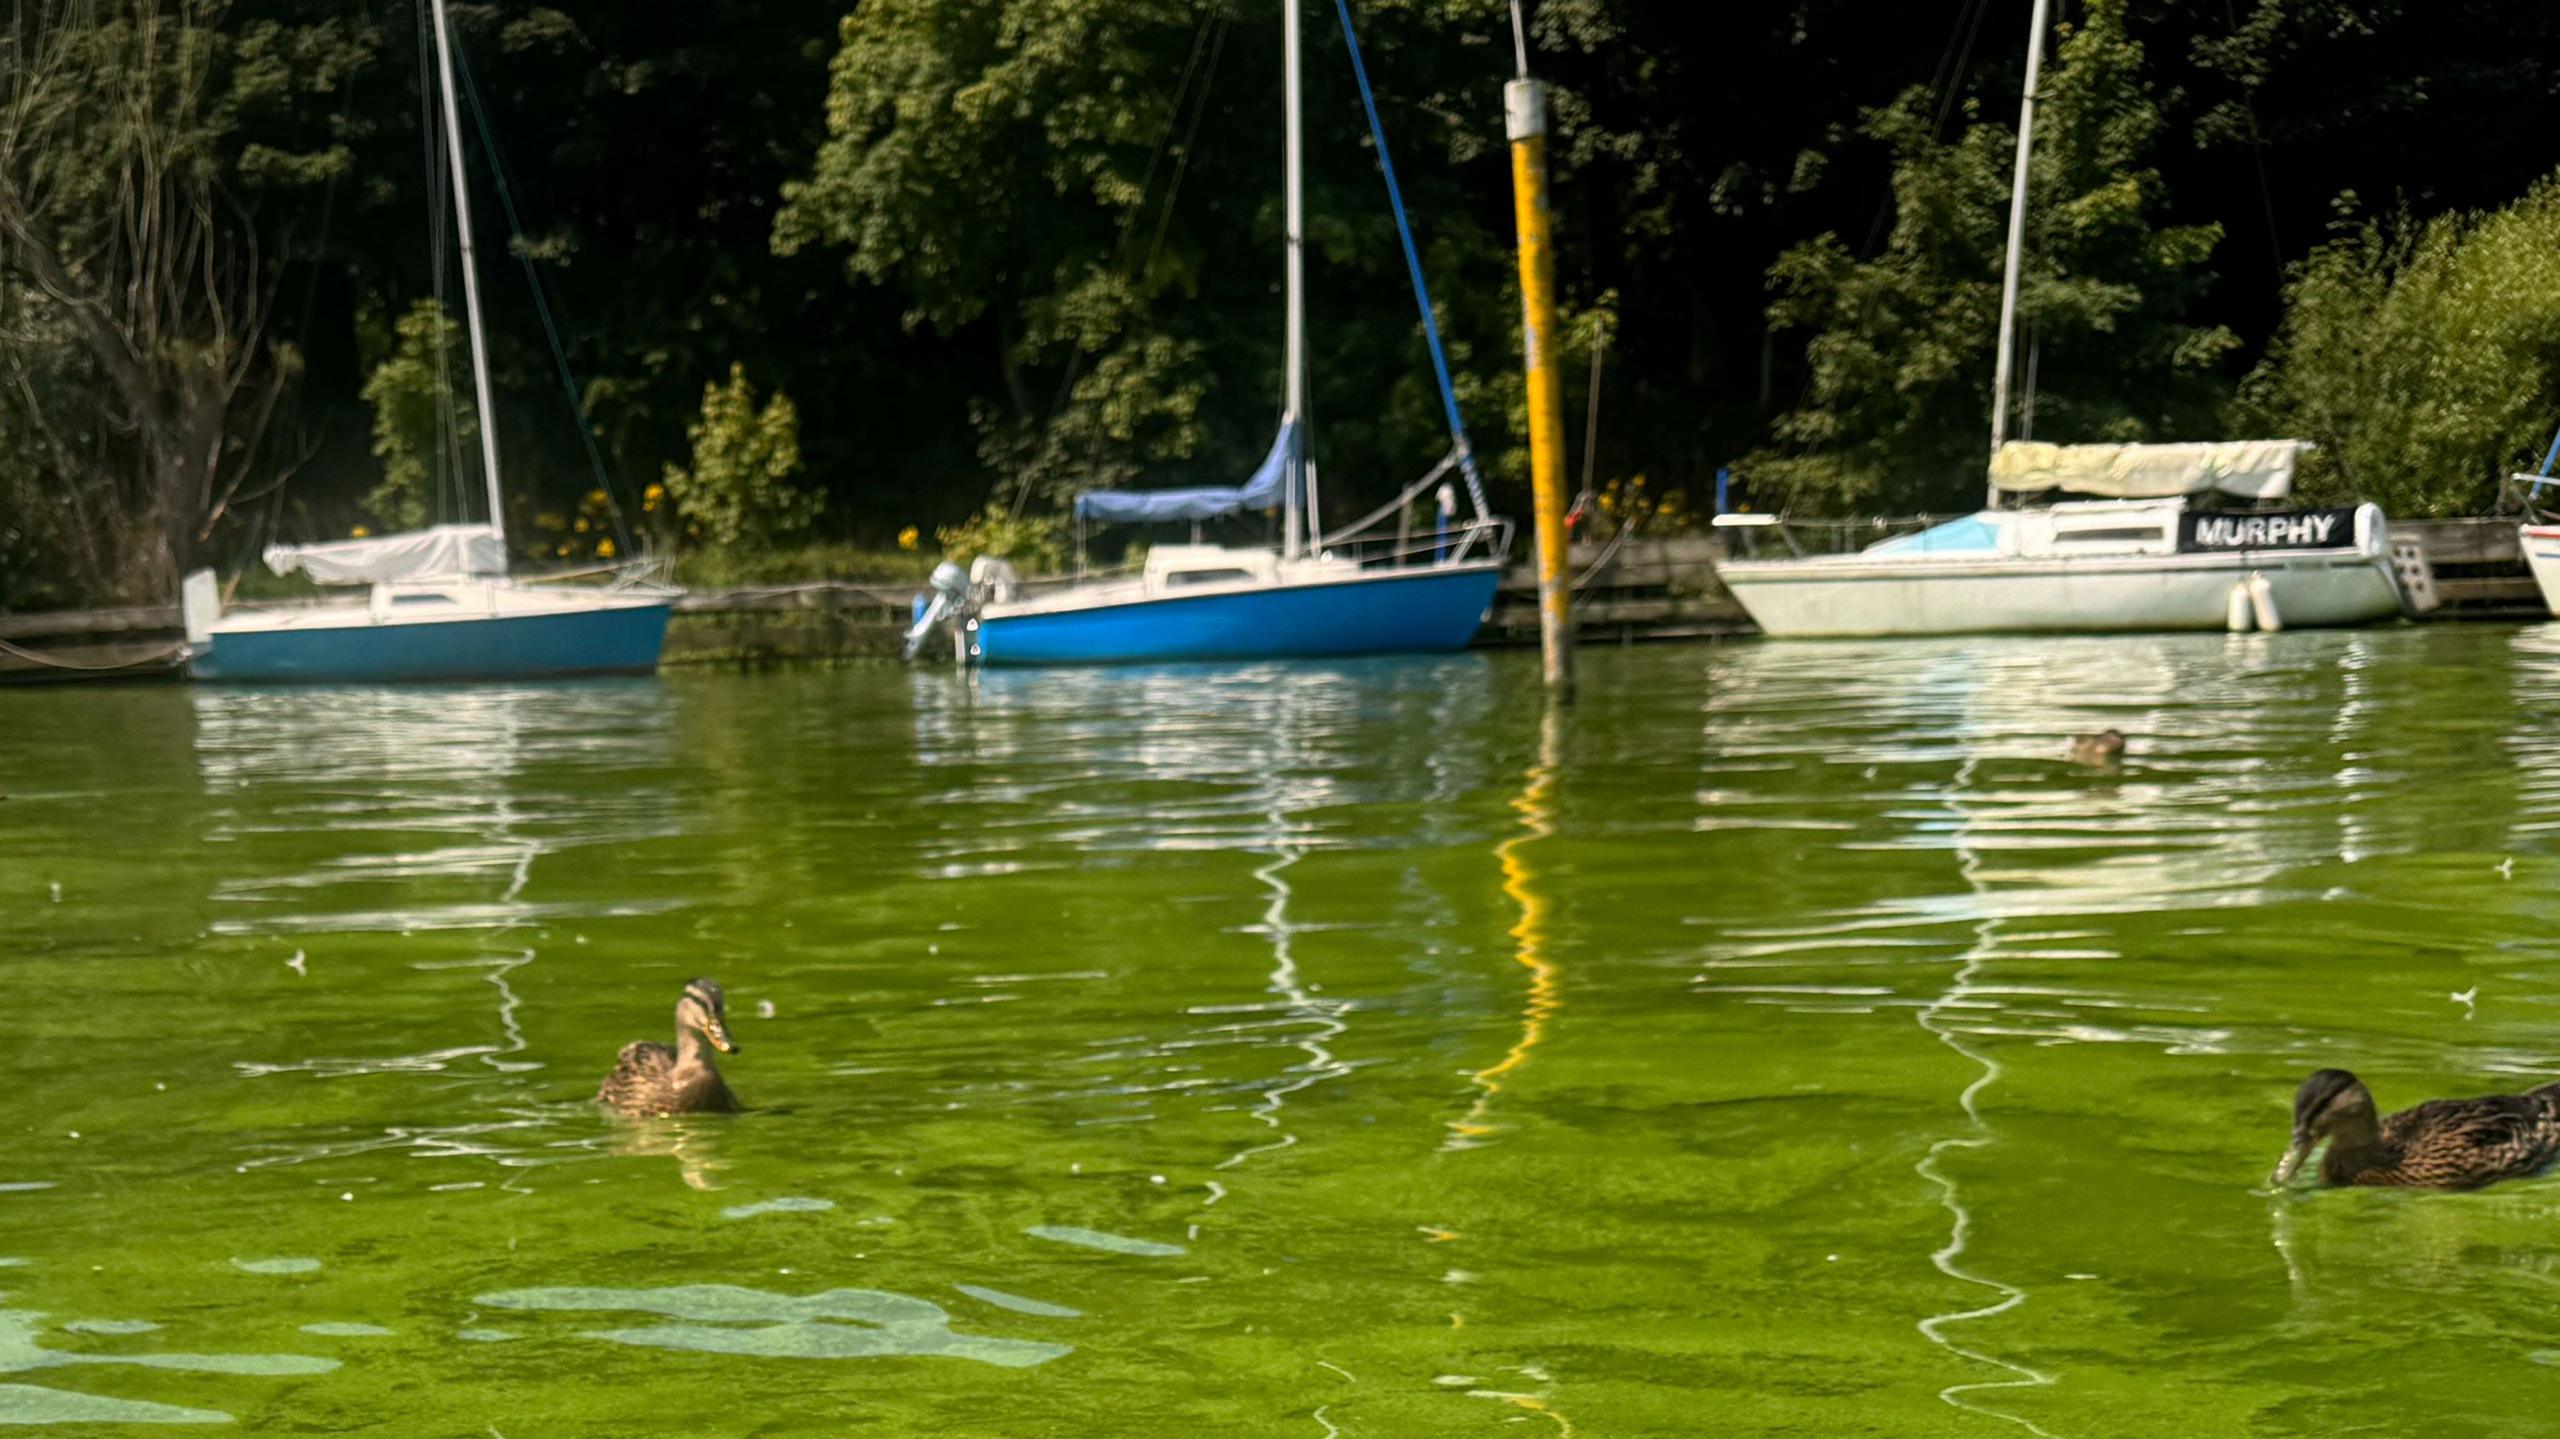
(1536, 807)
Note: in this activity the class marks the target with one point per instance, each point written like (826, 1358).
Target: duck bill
(2291, 1163)
(721, 1041)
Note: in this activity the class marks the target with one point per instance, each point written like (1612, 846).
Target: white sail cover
(444, 552)
(2246, 469)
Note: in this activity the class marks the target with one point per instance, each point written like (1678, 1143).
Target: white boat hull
(2541, 545)
(1844, 597)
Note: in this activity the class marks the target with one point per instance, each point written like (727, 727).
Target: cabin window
(1181, 579)
(422, 599)
(2142, 535)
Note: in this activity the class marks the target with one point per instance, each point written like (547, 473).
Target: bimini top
(1266, 490)
(444, 552)
(2246, 469)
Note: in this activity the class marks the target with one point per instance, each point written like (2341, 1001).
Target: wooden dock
(138, 643)
(1642, 590)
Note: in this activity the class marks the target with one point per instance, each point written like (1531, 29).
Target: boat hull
(2541, 544)
(620, 639)
(1850, 598)
(1423, 611)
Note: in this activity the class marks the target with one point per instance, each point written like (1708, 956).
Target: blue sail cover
(1264, 491)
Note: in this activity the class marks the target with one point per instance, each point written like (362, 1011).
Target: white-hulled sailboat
(438, 603)
(2156, 550)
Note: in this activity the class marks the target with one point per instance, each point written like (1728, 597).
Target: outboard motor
(950, 590)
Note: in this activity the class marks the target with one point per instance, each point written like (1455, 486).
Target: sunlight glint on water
(1784, 1037)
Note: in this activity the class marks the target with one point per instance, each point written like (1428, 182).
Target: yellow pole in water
(1524, 103)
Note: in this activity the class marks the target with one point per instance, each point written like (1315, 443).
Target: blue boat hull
(1424, 611)
(622, 640)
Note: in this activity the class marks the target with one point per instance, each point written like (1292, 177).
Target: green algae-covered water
(1784, 1042)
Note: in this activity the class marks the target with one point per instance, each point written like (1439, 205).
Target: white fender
(2237, 612)
(2262, 602)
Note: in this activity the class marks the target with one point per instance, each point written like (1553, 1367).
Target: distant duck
(650, 1079)
(2104, 747)
(2441, 1144)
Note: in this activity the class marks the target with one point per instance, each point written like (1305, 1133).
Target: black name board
(2212, 530)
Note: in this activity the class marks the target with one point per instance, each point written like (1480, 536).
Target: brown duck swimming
(651, 1079)
(2104, 747)
(2441, 1144)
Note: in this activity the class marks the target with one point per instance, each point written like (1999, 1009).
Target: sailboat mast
(471, 277)
(2000, 365)
(1293, 224)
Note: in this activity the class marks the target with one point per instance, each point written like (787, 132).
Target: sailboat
(2149, 552)
(1358, 590)
(2539, 540)
(439, 603)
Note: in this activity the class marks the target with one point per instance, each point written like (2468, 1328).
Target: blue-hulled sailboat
(1359, 590)
(438, 604)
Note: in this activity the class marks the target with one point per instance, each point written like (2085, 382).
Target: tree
(2422, 358)
(419, 423)
(1087, 192)
(127, 227)
(1900, 357)
(738, 493)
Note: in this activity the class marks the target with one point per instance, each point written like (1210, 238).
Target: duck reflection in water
(2441, 1144)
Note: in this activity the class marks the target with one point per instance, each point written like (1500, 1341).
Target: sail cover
(1264, 491)
(2246, 469)
(444, 552)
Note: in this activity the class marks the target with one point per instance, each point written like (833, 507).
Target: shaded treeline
(1010, 247)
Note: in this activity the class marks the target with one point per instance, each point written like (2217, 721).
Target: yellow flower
(359, 532)
(582, 525)
(595, 497)
(604, 549)
(908, 537)
(654, 493)
(553, 520)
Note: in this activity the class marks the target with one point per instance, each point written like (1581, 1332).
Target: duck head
(2331, 1103)
(2104, 747)
(704, 1010)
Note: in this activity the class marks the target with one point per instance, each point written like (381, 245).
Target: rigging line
(1209, 19)
(1155, 244)
(1591, 407)
(1146, 187)
(1948, 81)
(1413, 263)
(2258, 152)
(542, 303)
(1182, 159)
(445, 485)
(1951, 82)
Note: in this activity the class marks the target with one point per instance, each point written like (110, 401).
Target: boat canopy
(443, 552)
(2245, 469)
(1264, 491)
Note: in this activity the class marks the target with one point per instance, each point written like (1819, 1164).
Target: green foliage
(409, 392)
(1901, 354)
(2423, 359)
(738, 493)
(1087, 193)
(1036, 544)
(130, 252)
